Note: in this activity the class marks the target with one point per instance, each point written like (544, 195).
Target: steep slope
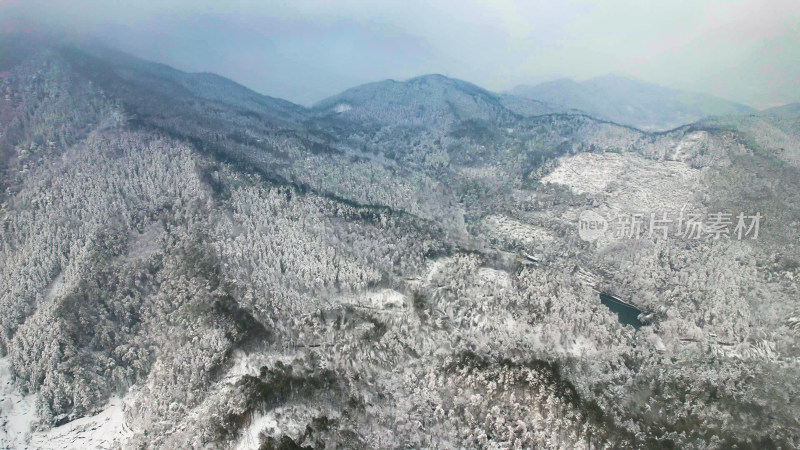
(631, 102)
(115, 246)
(181, 86)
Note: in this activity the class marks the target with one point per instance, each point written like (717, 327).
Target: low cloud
(304, 50)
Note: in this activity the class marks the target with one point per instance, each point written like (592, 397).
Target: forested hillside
(398, 266)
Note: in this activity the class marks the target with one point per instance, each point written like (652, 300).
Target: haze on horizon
(303, 51)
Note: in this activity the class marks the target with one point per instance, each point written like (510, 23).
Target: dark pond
(626, 314)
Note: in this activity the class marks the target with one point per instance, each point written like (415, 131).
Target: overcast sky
(303, 51)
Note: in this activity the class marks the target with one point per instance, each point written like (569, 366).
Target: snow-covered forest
(185, 263)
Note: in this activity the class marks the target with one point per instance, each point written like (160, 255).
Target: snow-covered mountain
(631, 102)
(429, 101)
(186, 263)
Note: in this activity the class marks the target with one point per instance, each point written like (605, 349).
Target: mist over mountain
(186, 263)
(785, 111)
(631, 102)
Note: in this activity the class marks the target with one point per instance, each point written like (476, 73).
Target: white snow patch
(107, 429)
(384, 300)
(250, 438)
(17, 412)
(342, 107)
(289, 420)
(55, 286)
(251, 363)
(587, 173)
(630, 182)
(18, 422)
(689, 145)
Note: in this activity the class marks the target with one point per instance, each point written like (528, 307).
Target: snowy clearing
(629, 182)
(18, 421)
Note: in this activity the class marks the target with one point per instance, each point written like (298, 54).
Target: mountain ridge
(627, 100)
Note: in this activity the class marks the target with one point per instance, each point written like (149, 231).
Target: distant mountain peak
(790, 110)
(429, 77)
(431, 100)
(624, 99)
